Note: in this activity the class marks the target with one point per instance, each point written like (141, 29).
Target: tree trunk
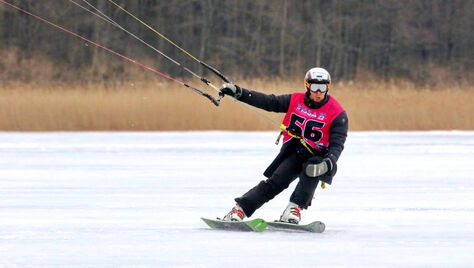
(283, 37)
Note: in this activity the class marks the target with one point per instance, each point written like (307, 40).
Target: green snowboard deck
(255, 225)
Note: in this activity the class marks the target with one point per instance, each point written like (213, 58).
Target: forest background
(395, 64)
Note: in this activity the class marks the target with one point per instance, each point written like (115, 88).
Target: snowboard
(314, 227)
(255, 225)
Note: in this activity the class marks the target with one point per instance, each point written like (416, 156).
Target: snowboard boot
(236, 214)
(291, 214)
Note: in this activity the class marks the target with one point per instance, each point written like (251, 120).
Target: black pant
(289, 169)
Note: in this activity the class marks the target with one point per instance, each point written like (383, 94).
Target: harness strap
(285, 129)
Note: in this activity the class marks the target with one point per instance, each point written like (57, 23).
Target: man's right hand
(231, 90)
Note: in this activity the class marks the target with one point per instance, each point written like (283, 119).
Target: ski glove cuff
(231, 90)
(318, 166)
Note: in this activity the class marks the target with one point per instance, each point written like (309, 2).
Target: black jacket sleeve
(337, 136)
(271, 103)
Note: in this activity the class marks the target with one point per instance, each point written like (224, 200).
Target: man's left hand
(318, 166)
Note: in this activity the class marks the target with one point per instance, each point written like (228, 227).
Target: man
(316, 129)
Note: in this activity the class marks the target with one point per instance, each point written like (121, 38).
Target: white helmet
(317, 76)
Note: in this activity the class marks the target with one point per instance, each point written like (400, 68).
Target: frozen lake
(115, 199)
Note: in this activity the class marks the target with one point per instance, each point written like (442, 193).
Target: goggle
(318, 87)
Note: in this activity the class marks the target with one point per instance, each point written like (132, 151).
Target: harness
(305, 144)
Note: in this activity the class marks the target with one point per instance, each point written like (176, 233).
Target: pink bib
(311, 124)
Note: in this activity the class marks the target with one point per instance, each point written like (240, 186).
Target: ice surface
(115, 199)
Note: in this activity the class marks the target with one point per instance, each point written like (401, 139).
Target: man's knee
(272, 188)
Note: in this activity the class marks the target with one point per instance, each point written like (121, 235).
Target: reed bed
(391, 105)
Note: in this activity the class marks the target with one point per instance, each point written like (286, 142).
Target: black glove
(231, 90)
(317, 166)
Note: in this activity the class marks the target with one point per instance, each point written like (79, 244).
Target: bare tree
(392, 38)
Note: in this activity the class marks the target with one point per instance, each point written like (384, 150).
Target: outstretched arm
(271, 103)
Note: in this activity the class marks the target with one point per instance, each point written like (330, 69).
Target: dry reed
(167, 106)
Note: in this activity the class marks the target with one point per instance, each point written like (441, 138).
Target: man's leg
(266, 190)
(304, 192)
